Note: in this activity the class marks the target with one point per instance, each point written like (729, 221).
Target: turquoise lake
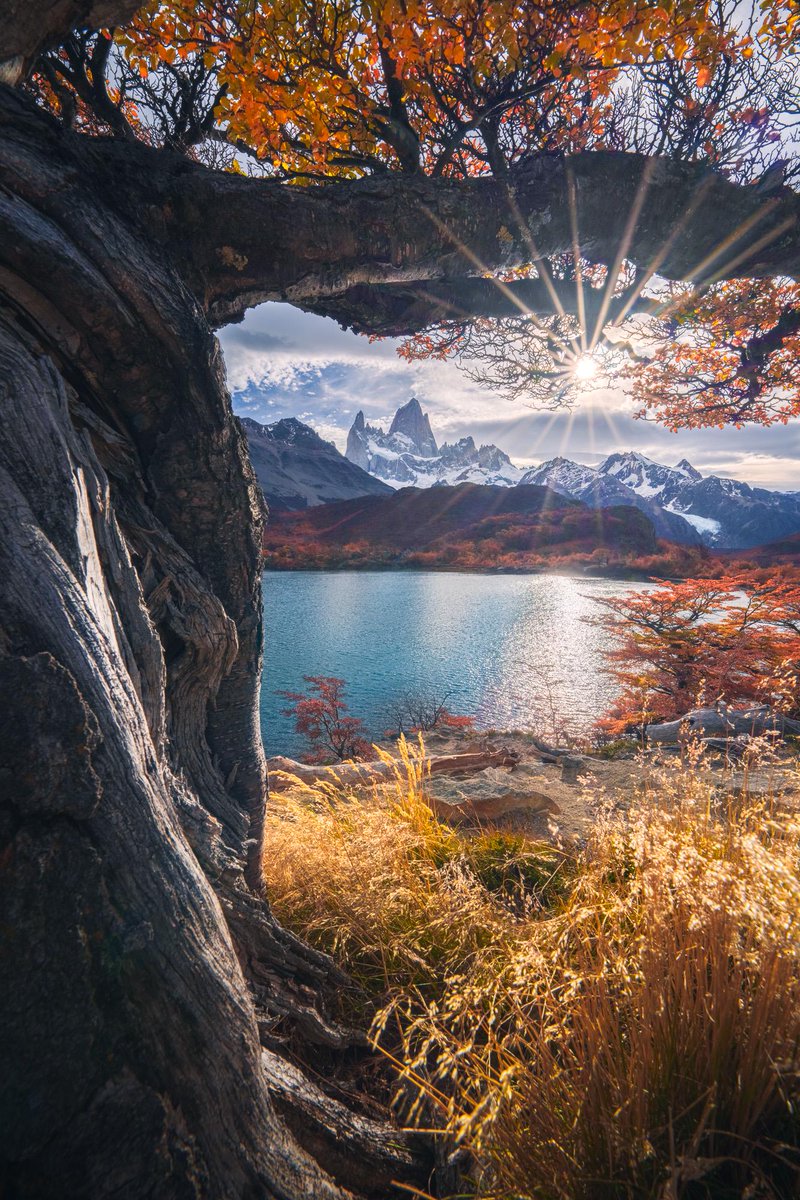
(509, 649)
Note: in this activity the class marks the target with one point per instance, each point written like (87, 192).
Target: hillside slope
(298, 469)
(468, 527)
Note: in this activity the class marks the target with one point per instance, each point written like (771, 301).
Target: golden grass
(623, 1024)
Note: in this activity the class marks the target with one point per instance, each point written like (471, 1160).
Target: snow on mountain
(409, 455)
(604, 490)
(297, 469)
(728, 513)
(684, 505)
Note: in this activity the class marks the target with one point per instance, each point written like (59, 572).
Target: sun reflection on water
(507, 648)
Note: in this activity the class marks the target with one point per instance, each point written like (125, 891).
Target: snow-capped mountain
(297, 469)
(727, 513)
(723, 513)
(408, 454)
(604, 490)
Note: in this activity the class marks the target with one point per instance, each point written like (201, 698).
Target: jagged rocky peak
(291, 431)
(408, 454)
(357, 450)
(457, 450)
(411, 422)
(683, 504)
(296, 468)
(687, 469)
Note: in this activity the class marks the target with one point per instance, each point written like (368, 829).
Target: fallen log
(722, 722)
(548, 753)
(284, 773)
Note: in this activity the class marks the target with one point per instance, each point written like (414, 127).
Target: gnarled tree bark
(140, 960)
(141, 965)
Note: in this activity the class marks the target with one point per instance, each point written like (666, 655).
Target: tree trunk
(140, 963)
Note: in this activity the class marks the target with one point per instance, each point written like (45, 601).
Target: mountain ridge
(409, 454)
(684, 505)
(297, 469)
(470, 527)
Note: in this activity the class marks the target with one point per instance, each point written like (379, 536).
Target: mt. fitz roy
(408, 454)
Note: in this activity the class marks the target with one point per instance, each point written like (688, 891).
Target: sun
(585, 367)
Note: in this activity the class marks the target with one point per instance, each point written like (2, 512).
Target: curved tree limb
(29, 26)
(396, 310)
(241, 241)
(238, 241)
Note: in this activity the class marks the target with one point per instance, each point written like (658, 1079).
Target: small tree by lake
(322, 716)
(422, 712)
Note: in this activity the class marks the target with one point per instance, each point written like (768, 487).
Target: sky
(285, 363)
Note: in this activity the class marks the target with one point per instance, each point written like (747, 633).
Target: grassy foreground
(621, 1022)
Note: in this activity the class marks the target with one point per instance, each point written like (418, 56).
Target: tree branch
(241, 241)
(397, 310)
(29, 26)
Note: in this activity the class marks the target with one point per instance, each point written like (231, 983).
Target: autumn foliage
(452, 88)
(474, 528)
(736, 639)
(300, 90)
(321, 716)
(722, 358)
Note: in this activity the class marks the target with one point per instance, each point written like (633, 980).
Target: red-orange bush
(321, 715)
(736, 638)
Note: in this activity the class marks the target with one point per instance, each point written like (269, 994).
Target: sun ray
(503, 288)
(572, 199)
(622, 250)
(538, 259)
(551, 420)
(590, 427)
(658, 258)
(565, 439)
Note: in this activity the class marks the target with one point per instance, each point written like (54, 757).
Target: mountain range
(408, 454)
(297, 469)
(724, 514)
(684, 506)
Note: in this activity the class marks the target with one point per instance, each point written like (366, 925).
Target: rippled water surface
(508, 648)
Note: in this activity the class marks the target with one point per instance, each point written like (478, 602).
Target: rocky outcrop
(356, 451)
(411, 422)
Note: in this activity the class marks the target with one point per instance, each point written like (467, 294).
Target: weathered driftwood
(283, 770)
(284, 773)
(548, 753)
(722, 722)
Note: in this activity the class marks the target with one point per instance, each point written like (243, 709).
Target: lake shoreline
(507, 649)
(625, 574)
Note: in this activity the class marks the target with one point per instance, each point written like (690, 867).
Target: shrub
(735, 638)
(321, 715)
